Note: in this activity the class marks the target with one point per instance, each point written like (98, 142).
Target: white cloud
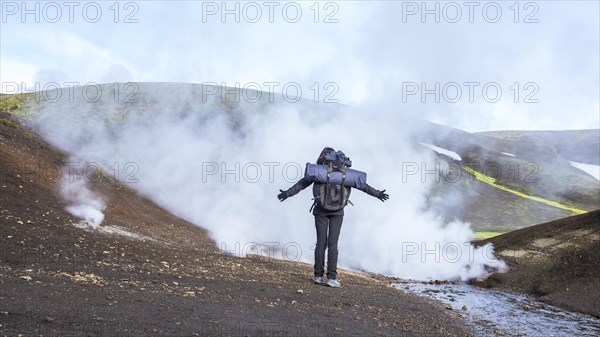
(60, 56)
(13, 73)
(369, 53)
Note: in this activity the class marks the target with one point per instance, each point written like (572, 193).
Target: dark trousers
(328, 231)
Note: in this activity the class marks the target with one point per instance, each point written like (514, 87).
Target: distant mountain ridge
(505, 180)
(575, 145)
(534, 163)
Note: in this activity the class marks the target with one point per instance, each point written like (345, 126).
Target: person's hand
(282, 196)
(383, 196)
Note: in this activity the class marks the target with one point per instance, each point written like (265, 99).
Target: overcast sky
(491, 65)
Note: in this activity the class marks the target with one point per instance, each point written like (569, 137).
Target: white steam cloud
(222, 169)
(82, 202)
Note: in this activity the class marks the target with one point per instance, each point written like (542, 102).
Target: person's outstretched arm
(381, 195)
(299, 186)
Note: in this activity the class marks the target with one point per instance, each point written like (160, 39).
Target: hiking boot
(333, 283)
(318, 280)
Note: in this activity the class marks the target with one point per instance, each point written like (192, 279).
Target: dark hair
(324, 152)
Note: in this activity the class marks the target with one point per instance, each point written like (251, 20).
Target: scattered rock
(189, 294)
(85, 278)
(300, 291)
(26, 278)
(464, 308)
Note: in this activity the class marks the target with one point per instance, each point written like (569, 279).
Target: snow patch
(443, 151)
(591, 169)
(508, 154)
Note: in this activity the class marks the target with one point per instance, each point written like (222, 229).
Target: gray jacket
(304, 183)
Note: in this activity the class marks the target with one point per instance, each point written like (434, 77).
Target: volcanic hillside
(145, 272)
(500, 183)
(497, 181)
(557, 262)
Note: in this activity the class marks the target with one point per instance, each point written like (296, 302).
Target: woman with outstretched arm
(328, 209)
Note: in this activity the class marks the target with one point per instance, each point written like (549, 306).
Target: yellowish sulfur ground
(491, 181)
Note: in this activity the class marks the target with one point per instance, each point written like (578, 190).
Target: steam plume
(83, 203)
(220, 166)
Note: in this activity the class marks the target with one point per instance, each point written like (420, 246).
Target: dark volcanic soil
(556, 262)
(60, 280)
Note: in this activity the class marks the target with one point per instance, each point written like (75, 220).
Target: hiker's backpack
(329, 195)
